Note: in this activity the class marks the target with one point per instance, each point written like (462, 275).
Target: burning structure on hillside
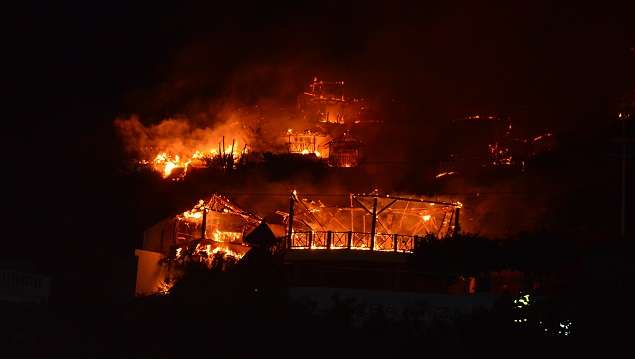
(344, 151)
(174, 167)
(175, 145)
(369, 222)
(325, 102)
(217, 226)
(325, 105)
(212, 226)
(307, 142)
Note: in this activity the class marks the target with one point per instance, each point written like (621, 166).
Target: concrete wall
(150, 273)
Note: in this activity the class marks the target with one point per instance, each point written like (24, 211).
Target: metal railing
(352, 240)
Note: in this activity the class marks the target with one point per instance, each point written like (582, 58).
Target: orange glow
(306, 142)
(166, 163)
(442, 174)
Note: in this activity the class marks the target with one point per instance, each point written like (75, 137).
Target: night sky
(75, 66)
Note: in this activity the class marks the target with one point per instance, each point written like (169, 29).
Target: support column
(290, 228)
(457, 224)
(373, 225)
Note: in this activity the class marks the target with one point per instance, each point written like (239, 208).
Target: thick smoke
(177, 136)
(260, 127)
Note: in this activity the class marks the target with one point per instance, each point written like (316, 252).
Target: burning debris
(175, 167)
(213, 228)
(370, 222)
(217, 220)
(175, 146)
(211, 224)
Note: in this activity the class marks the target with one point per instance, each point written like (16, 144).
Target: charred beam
(373, 225)
(291, 210)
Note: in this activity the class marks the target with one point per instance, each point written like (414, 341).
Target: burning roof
(216, 221)
(370, 222)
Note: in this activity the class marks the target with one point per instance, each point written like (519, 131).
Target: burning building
(325, 102)
(370, 222)
(212, 226)
(307, 142)
(344, 151)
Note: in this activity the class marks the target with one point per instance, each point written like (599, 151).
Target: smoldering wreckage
(371, 227)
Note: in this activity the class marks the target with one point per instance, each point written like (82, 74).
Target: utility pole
(625, 140)
(373, 225)
(623, 225)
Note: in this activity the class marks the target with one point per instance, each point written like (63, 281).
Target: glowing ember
(442, 174)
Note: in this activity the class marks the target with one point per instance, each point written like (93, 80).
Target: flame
(196, 212)
(222, 236)
(166, 163)
(207, 249)
(426, 217)
(211, 252)
(193, 215)
(305, 142)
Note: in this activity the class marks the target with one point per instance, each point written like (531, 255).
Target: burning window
(307, 142)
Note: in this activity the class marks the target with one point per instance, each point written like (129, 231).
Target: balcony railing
(352, 240)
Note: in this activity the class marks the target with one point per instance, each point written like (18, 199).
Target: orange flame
(166, 163)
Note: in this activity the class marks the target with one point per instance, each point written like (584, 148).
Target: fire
(224, 236)
(307, 142)
(207, 249)
(166, 164)
(174, 146)
(426, 217)
(207, 252)
(196, 212)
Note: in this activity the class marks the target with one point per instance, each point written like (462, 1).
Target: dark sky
(550, 62)
(73, 66)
